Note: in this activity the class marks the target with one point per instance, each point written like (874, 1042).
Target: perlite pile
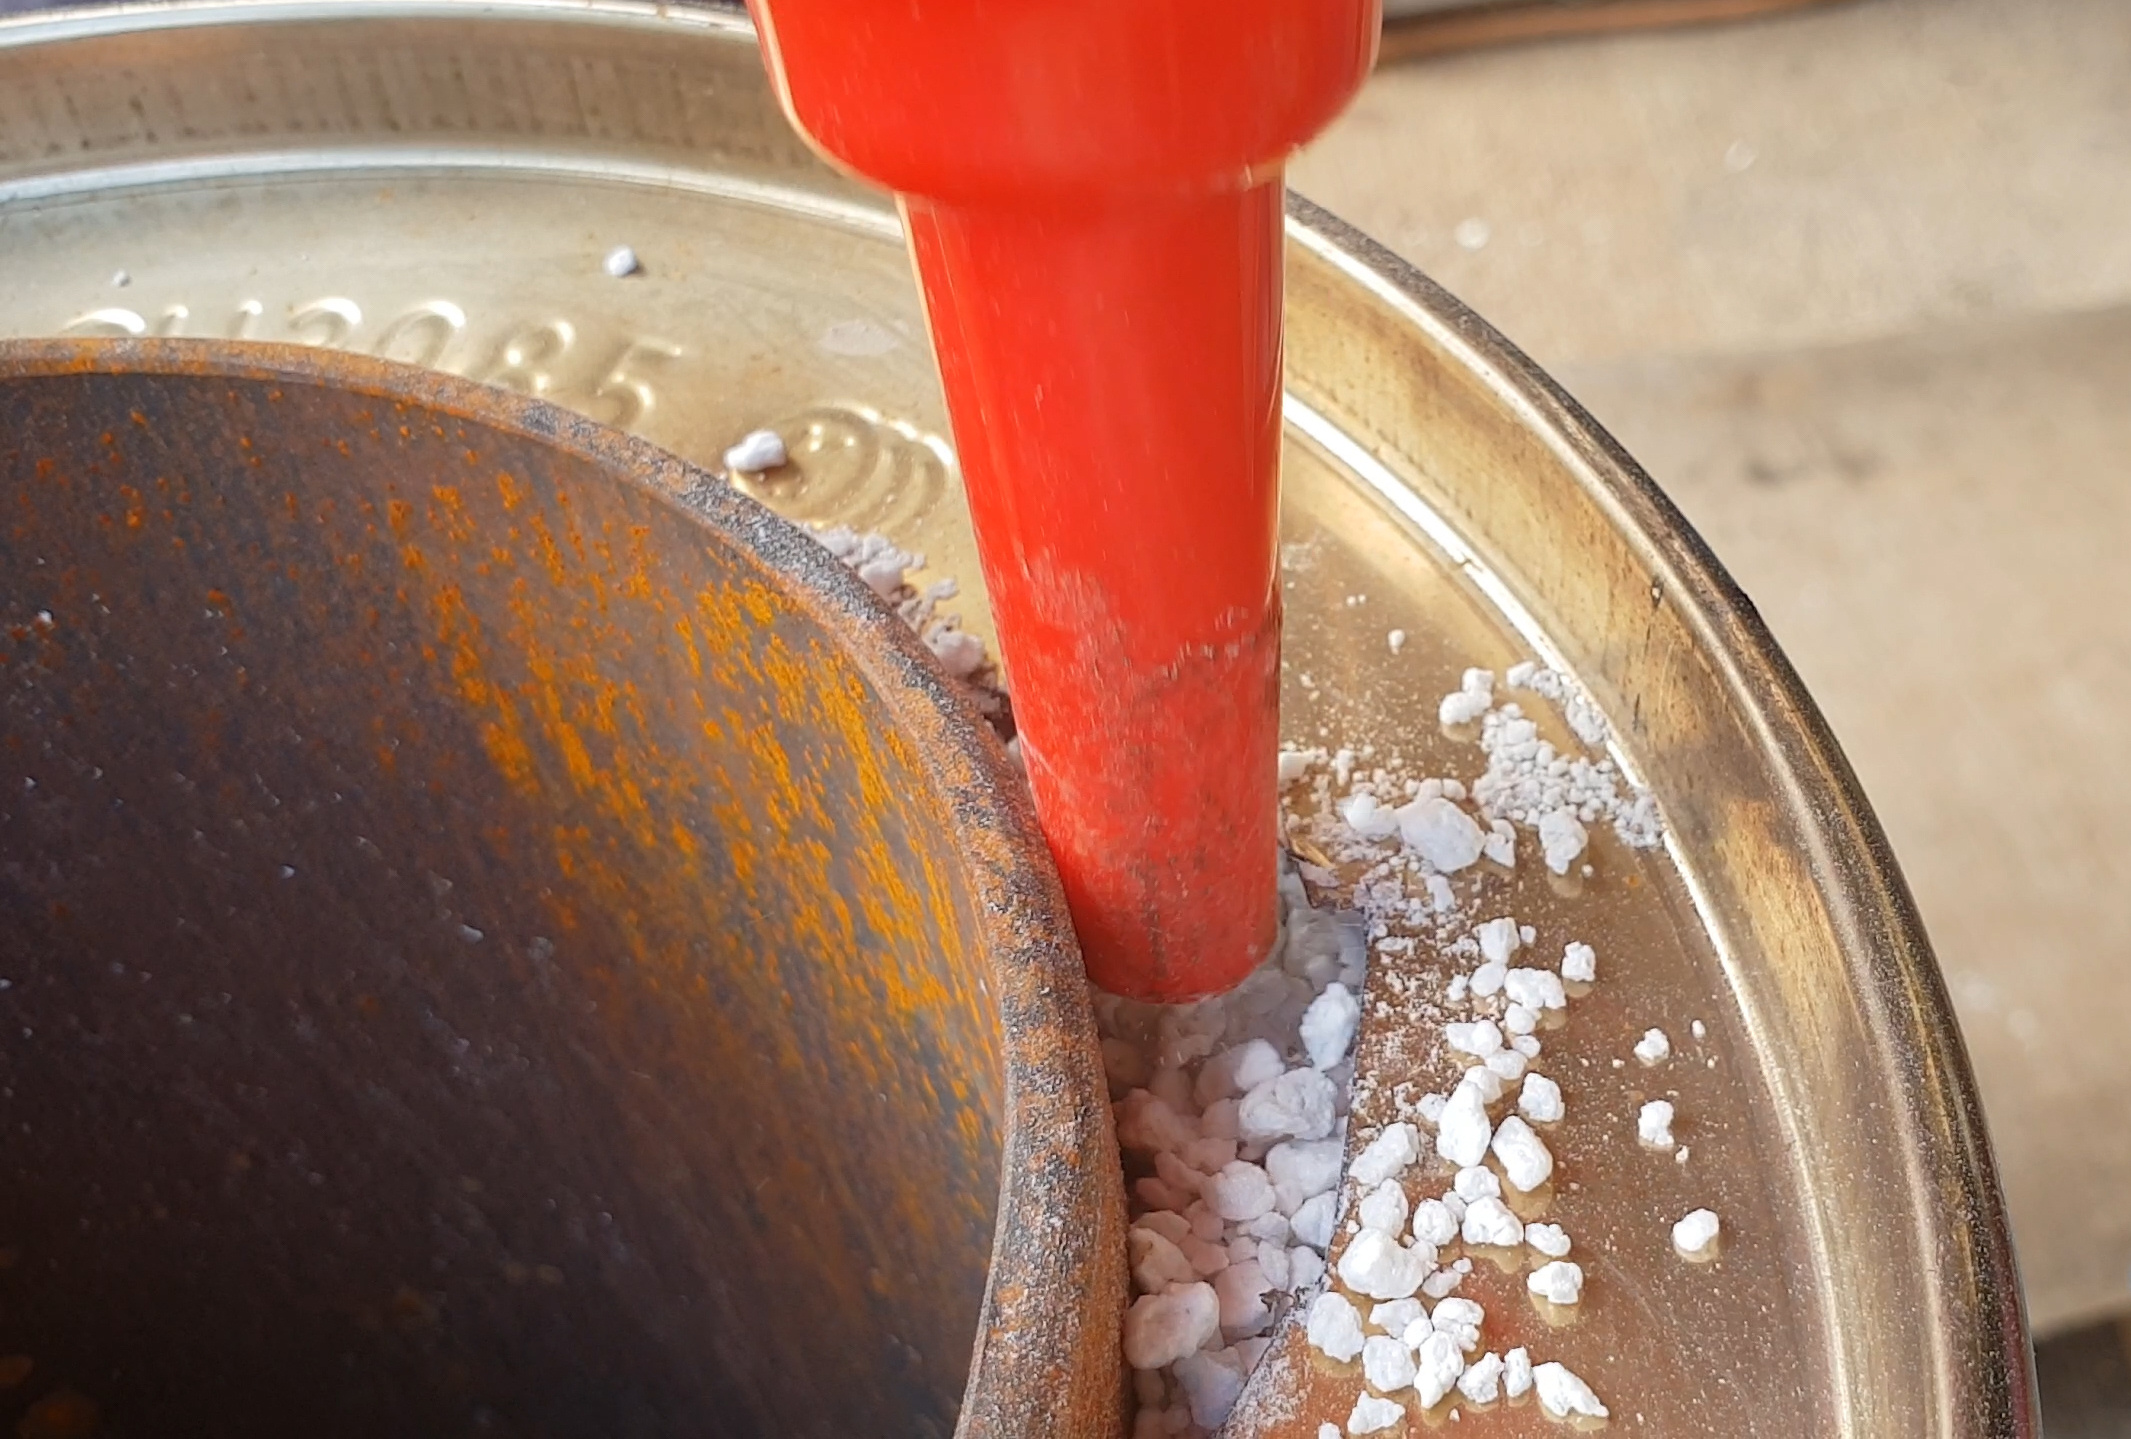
(1232, 1113)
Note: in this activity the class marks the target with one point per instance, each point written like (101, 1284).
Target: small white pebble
(1517, 1019)
(1516, 1373)
(1698, 1029)
(1507, 1065)
(1549, 1239)
(1328, 1025)
(1377, 1266)
(1694, 1235)
(1162, 1328)
(1240, 1192)
(1535, 989)
(1653, 1047)
(1472, 233)
(1301, 1102)
(1579, 962)
(1328, 1430)
(120, 279)
(1430, 1107)
(1439, 1363)
(1397, 640)
(1434, 1223)
(1386, 1363)
(1461, 1320)
(1653, 1125)
(1499, 939)
(1334, 1326)
(1563, 1395)
(1481, 1383)
(1442, 1283)
(1443, 835)
(1478, 1039)
(1476, 1181)
(1558, 1281)
(1562, 838)
(1526, 1045)
(1372, 1414)
(1313, 1221)
(621, 261)
(1526, 1161)
(1395, 1316)
(1387, 1156)
(1384, 1207)
(757, 451)
(1489, 1221)
(1485, 1081)
(1540, 1100)
(1464, 1131)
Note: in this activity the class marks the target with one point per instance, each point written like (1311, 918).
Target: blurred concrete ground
(1855, 285)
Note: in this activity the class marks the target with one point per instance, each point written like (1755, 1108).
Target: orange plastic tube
(1092, 191)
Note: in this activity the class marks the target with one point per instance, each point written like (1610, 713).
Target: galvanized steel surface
(505, 936)
(440, 184)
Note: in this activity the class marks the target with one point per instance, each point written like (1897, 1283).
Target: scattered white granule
(1301, 1170)
(1478, 1039)
(1579, 963)
(1498, 939)
(1300, 1102)
(1526, 1161)
(1486, 1081)
(960, 653)
(1694, 1235)
(1328, 1430)
(1386, 1363)
(1384, 1207)
(1698, 1029)
(1441, 833)
(1517, 1019)
(1441, 1283)
(1476, 1181)
(1295, 763)
(757, 451)
(1474, 697)
(1368, 817)
(1162, 1328)
(1653, 1126)
(1372, 1414)
(1540, 1100)
(1461, 1320)
(1239, 1192)
(1433, 1222)
(1334, 1326)
(1211, 1381)
(1549, 1239)
(1501, 843)
(1387, 1156)
(1329, 1023)
(1506, 1065)
(621, 262)
(1377, 1266)
(1464, 1131)
(1526, 1045)
(1563, 1395)
(1559, 1281)
(1489, 1221)
(1396, 639)
(1516, 1373)
(1312, 1221)
(1430, 1107)
(1481, 1383)
(1562, 838)
(1156, 1261)
(1535, 989)
(1395, 1316)
(1438, 1365)
(1653, 1047)
(1237, 1070)
(1486, 981)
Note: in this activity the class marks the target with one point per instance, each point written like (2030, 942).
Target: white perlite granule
(1529, 782)
(1653, 1125)
(1558, 1281)
(1565, 1396)
(1372, 1414)
(760, 450)
(621, 262)
(1695, 1234)
(1653, 1048)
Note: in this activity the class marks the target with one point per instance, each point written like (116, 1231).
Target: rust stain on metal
(550, 815)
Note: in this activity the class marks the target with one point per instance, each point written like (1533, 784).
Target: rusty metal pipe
(504, 936)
